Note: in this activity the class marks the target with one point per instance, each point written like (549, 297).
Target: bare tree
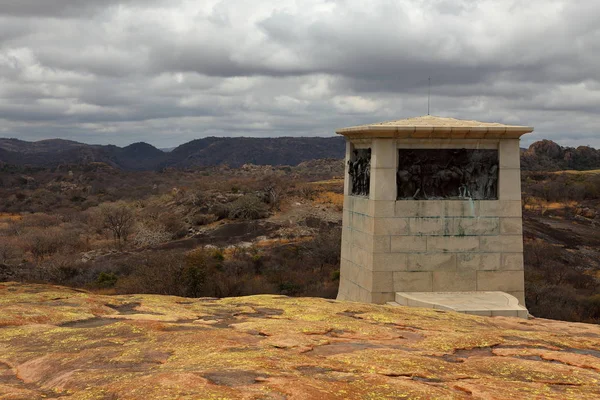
(119, 219)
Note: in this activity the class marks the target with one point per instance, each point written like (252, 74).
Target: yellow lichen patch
(533, 371)
(574, 359)
(92, 346)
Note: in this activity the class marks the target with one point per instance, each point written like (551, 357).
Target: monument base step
(492, 304)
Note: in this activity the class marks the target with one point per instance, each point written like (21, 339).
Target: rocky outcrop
(60, 342)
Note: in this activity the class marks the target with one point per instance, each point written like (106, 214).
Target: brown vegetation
(257, 229)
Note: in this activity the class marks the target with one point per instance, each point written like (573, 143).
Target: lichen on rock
(57, 341)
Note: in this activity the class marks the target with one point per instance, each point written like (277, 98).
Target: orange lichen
(58, 341)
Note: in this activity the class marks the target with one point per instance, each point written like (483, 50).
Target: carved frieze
(359, 169)
(425, 174)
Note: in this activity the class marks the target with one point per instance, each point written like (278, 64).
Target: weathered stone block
(509, 154)
(430, 208)
(511, 226)
(454, 281)
(426, 226)
(383, 184)
(381, 244)
(478, 261)
(382, 298)
(521, 296)
(406, 208)
(390, 262)
(353, 291)
(363, 295)
(500, 208)
(419, 208)
(362, 222)
(382, 281)
(512, 262)
(347, 201)
(504, 281)
(362, 257)
(382, 208)
(480, 226)
(360, 205)
(501, 244)
(390, 226)
(384, 154)
(431, 262)
(410, 244)
(412, 282)
(353, 272)
(452, 244)
(509, 184)
(346, 218)
(460, 208)
(361, 240)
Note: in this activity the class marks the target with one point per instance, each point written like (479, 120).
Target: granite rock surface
(58, 342)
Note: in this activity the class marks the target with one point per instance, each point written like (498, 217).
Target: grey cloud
(164, 71)
(62, 8)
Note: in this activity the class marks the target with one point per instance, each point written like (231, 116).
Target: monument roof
(436, 127)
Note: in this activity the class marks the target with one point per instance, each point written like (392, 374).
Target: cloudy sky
(166, 72)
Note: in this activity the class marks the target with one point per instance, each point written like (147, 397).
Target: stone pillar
(441, 245)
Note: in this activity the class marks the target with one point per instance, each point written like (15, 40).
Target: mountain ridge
(543, 155)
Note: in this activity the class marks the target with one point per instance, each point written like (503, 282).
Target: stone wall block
(460, 208)
(382, 298)
(413, 282)
(480, 226)
(381, 244)
(509, 154)
(454, 281)
(431, 262)
(390, 262)
(501, 244)
(504, 281)
(500, 208)
(509, 184)
(382, 208)
(426, 226)
(390, 226)
(478, 261)
(511, 226)
(452, 244)
(383, 184)
(360, 205)
(384, 154)
(408, 244)
(512, 262)
(407, 208)
(382, 281)
(362, 222)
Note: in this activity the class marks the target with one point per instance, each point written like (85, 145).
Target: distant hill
(234, 152)
(544, 155)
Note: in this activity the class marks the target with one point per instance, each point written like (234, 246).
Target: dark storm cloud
(62, 8)
(170, 71)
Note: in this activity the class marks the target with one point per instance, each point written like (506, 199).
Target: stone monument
(432, 205)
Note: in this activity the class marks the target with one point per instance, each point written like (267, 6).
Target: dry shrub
(119, 219)
(335, 199)
(42, 243)
(150, 235)
(248, 207)
(204, 219)
(174, 225)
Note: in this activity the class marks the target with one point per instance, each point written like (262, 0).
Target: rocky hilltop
(63, 343)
